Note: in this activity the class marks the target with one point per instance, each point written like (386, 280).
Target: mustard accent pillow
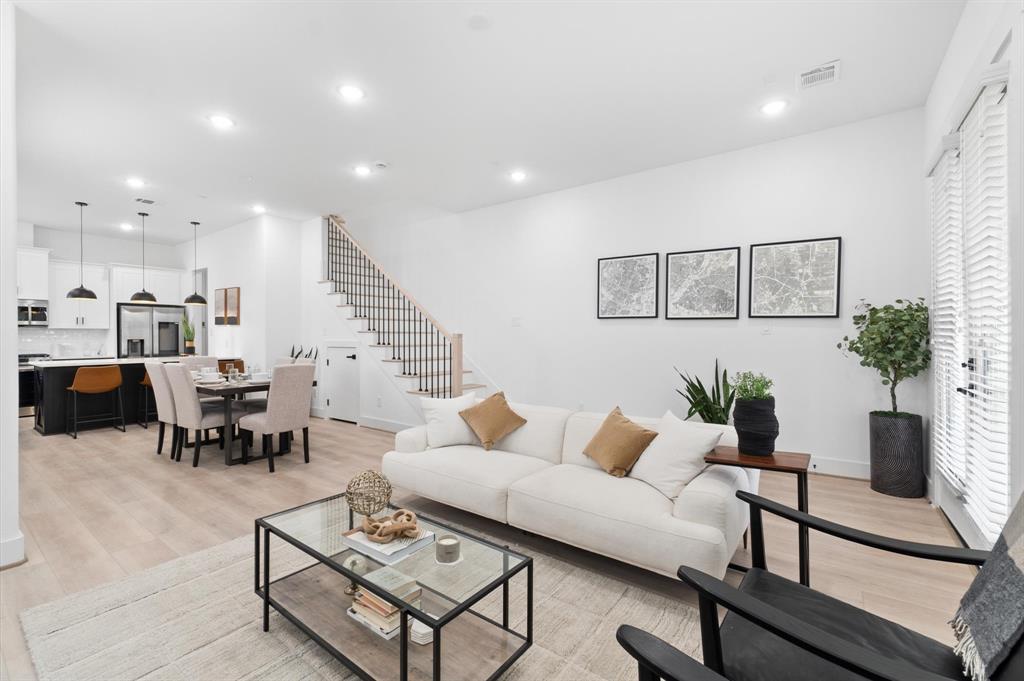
(492, 419)
(618, 443)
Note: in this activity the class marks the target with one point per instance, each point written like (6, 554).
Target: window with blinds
(971, 314)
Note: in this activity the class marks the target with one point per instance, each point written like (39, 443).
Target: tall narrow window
(971, 318)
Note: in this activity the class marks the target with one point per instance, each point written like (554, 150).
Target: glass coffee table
(466, 644)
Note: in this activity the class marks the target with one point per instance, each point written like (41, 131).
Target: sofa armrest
(710, 499)
(411, 439)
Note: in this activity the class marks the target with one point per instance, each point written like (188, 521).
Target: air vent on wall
(819, 75)
(148, 202)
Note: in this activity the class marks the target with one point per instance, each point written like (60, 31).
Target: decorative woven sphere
(368, 492)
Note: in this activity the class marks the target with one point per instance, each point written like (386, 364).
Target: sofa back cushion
(542, 434)
(580, 430)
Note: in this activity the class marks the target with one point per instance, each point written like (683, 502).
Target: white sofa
(538, 479)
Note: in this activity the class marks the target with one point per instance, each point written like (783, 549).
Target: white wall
(105, 250)
(535, 261)
(261, 256)
(12, 542)
(985, 29)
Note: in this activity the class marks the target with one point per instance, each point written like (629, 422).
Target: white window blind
(971, 314)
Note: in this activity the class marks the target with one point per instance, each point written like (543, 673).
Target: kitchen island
(54, 376)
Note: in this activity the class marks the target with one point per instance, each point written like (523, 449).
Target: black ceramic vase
(897, 454)
(756, 426)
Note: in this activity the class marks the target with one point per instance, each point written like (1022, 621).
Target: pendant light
(195, 298)
(80, 292)
(143, 296)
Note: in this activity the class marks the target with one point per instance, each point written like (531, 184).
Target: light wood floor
(103, 507)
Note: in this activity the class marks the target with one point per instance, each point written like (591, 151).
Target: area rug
(197, 618)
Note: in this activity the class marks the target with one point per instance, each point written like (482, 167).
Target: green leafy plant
(751, 386)
(187, 329)
(893, 340)
(714, 407)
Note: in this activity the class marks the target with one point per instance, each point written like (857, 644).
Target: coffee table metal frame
(263, 590)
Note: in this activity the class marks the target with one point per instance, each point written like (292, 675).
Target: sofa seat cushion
(622, 518)
(463, 476)
(752, 654)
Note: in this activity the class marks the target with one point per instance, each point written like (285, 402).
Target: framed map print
(703, 284)
(627, 287)
(795, 278)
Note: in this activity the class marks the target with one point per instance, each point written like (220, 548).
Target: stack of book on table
(390, 553)
(377, 614)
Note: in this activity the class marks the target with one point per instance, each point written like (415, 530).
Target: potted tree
(189, 332)
(893, 340)
(754, 415)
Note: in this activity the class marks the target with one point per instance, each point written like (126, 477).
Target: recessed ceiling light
(127, 226)
(362, 171)
(221, 122)
(351, 93)
(135, 182)
(774, 107)
(259, 209)
(517, 176)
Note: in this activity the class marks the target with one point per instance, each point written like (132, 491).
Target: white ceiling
(456, 95)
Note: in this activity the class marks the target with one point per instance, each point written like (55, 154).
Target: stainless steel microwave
(32, 313)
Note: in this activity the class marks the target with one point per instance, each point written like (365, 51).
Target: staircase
(426, 357)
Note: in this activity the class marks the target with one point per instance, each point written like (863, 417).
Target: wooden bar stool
(95, 381)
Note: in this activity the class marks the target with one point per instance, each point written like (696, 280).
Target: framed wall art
(227, 306)
(703, 284)
(627, 287)
(795, 278)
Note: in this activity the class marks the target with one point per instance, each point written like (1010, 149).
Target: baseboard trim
(12, 551)
(383, 424)
(843, 468)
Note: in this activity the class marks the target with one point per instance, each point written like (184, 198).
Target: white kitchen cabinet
(163, 283)
(65, 313)
(34, 273)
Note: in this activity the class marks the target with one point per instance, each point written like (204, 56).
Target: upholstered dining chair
(190, 413)
(779, 629)
(165, 413)
(239, 364)
(282, 361)
(199, 362)
(291, 390)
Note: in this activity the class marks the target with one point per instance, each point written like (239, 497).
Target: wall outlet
(517, 321)
(766, 331)
(380, 401)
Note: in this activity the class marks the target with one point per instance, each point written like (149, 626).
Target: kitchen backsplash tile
(63, 342)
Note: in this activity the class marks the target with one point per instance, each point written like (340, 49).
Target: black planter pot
(897, 454)
(756, 426)
(190, 349)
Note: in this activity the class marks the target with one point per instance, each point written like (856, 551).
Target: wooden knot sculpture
(401, 523)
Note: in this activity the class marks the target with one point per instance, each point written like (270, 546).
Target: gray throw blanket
(990, 619)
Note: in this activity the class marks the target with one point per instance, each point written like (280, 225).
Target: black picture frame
(656, 279)
(668, 273)
(838, 279)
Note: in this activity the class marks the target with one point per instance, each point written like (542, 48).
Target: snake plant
(714, 407)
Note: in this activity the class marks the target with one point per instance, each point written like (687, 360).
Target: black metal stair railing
(424, 349)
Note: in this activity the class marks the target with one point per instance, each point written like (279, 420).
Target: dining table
(230, 391)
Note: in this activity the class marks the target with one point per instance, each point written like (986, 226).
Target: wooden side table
(782, 462)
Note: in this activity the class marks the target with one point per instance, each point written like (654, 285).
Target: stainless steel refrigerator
(150, 330)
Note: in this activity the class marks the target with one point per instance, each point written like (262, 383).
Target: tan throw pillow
(618, 443)
(492, 419)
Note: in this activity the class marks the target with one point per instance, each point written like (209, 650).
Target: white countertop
(97, 361)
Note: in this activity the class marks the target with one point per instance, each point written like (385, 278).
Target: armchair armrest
(411, 439)
(948, 554)
(846, 654)
(659, 660)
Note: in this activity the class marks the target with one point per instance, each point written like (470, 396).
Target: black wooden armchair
(779, 630)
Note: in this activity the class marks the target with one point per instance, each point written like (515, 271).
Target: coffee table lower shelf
(471, 646)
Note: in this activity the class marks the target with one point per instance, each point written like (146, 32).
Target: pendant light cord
(81, 244)
(195, 256)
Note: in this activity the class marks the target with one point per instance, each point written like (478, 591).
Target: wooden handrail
(339, 224)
